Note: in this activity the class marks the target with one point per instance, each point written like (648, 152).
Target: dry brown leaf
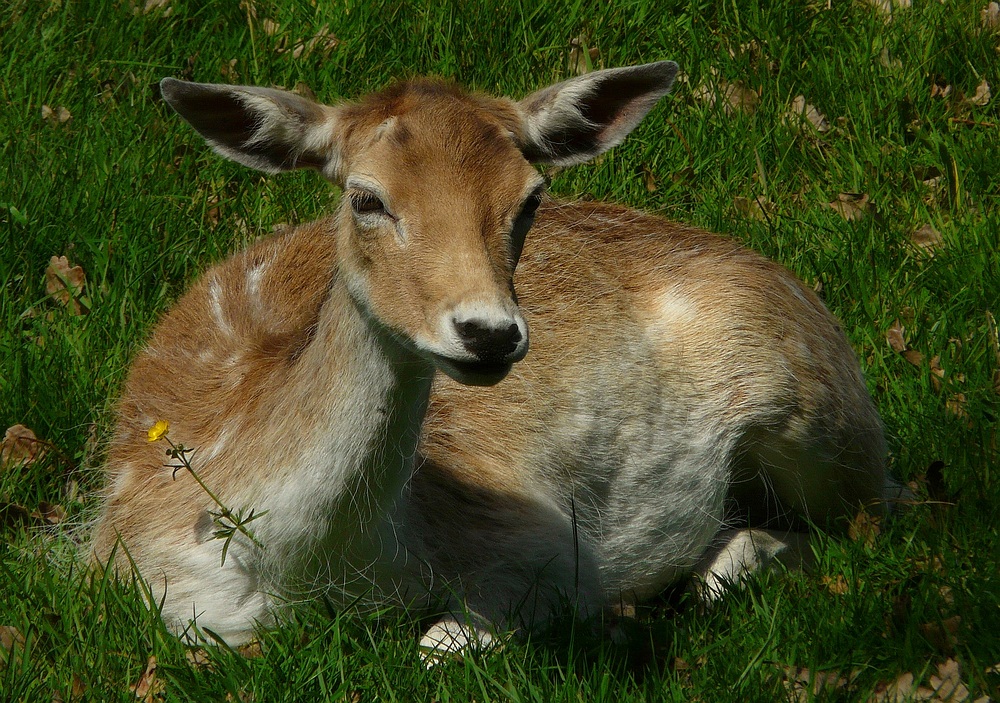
(937, 373)
(148, 687)
(323, 42)
(735, 95)
(805, 685)
(153, 5)
(228, 70)
(649, 178)
(865, 528)
(77, 690)
(914, 357)
(837, 585)
(850, 206)
(955, 405)
(801, 112)
(20, 447)
(982, 95)
(927, 239)
(12, 514)
(60, 115)
(50, 513)
(302, 88)
(198, 658)
(896, 692)
(940, 91)
(756, 208)
(942, 635)
(994, 335)
(10, 636)
(582, 59)
(887, 7)
(270, 27)
(947, 683)
(895, 337)
(989, 16)
(887, 61)
(65, 283)
(738, 98)
(251, 650)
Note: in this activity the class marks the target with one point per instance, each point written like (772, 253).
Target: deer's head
(439, 190)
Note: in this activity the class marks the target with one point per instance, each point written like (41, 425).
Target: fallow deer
(676, 383)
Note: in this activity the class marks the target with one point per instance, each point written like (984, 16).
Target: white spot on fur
(254, 276)
(675, 313)
(215, 300)
(213, 450)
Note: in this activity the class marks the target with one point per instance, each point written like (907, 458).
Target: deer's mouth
(473, 373)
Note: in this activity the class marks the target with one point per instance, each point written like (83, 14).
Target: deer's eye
(522, 223)
(364, 202)
(530, 205)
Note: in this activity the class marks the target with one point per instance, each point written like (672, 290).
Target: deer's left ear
(573, 121)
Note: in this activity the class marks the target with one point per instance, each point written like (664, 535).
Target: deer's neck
(349, 422)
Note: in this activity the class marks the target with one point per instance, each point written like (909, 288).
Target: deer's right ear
(269, 130)
(574, 121)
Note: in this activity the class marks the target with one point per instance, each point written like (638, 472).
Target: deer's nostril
(488, 343)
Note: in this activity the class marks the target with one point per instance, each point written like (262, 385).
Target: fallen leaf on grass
(947, 683)
(582, 59)
(837, 585)
(945, 686)
(9, 638)
(251, 650)
(887, 7)
(77, 690)
(649, 178)
(941, 91)
(927, 239)
(60, 115)
(955, 405)
(942, 635)
(896, 692)
(802, 112)
(735, 95)
(995, 346)
(20, 447)
(982, 95)
(323, 42)
(49, 513)
(756, 208)
(898, 344)
(850, 206)
(865, 528)
(65, 283)
(148, 688)
(270, 27)
(895, 337)
(153, 5)
(989, 16)
(12, 514)
(805, 685)
(198, 658)
(228, 70)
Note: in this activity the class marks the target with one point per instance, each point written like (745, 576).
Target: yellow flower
(158, 430)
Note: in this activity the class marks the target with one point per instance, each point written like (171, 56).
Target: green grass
(129, 193)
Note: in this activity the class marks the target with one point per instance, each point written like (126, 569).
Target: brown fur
(669, 368)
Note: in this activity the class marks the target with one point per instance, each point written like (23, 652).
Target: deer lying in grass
(672, 376)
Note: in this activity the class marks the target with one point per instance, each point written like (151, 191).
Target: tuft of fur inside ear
(574, 121)
(265, 129)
